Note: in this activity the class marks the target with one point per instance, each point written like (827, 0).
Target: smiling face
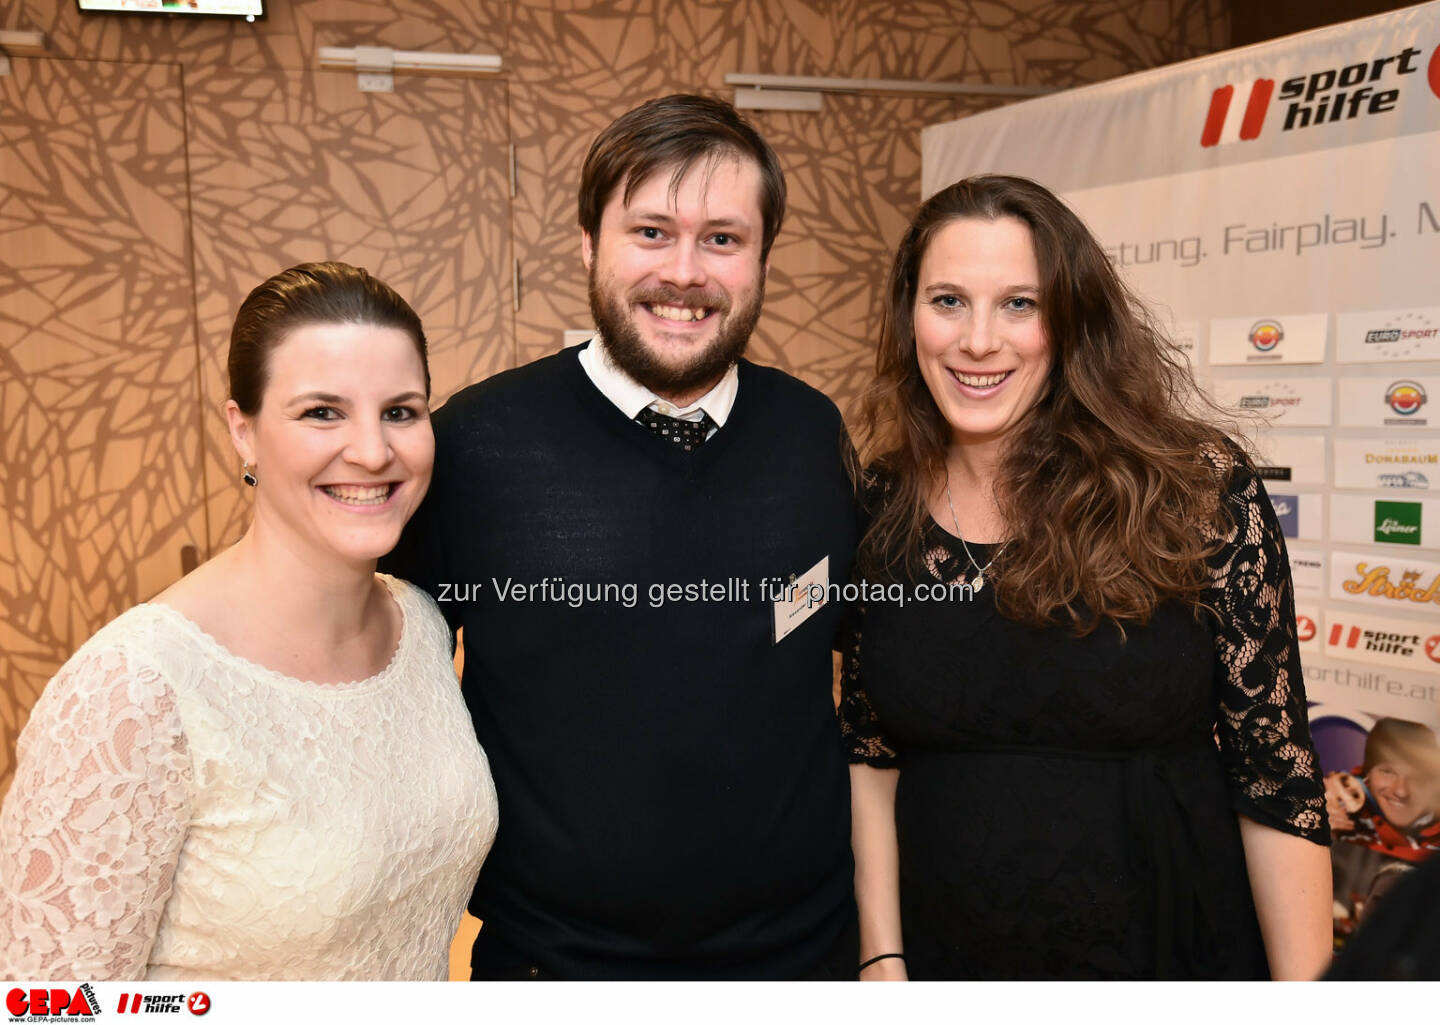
(979, 337)
(341, 444)
(1401, 789)
(676, 278)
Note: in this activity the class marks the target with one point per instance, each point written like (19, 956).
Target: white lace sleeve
(92, 827)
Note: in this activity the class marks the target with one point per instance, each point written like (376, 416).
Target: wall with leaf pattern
(153, 170)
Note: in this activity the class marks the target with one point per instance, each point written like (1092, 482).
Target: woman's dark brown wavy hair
(1110, 490)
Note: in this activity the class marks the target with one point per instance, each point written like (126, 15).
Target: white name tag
(801, 598)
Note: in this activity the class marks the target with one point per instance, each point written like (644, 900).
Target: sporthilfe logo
(1237, 114)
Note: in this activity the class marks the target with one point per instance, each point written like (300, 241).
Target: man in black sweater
(642, 540)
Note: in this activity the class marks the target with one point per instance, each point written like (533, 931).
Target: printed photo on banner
(1389, 401)
(1382, 798)
(1267, 339)
(1280, 402)
(1398, 335)
(1401, 464)
(1362, 519)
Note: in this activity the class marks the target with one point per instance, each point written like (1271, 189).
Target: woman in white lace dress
(267, 771)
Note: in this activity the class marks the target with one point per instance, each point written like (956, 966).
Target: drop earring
(248, 475)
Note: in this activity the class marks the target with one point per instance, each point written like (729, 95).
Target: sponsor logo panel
(1391, 401)
(1266, 339)
(1398, 335)
(1320, 94)
(1390, 580)
(1398, 522)
(196, 1003)
(1307, 626)
(1400, 464)
(1297, 458)
(1385, 640)
(1299, 514)
(1287, 402)
(1365, 519)
(1185, 335)
(1307, 567)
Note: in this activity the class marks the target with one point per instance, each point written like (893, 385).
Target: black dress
(1066, 806)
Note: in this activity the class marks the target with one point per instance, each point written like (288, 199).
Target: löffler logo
(1237, 114)
(1304, 628)
(1266, 334)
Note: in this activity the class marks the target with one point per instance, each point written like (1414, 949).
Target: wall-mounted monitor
(247, 9)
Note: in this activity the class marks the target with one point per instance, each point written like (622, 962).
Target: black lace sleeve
(864, 740)
(1263, 728)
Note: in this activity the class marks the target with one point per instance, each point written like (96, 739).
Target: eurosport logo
(1405, 397)
(1365, 88)
(1266, 334)
(50, 1003)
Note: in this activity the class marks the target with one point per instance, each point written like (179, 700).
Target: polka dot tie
(688, 434)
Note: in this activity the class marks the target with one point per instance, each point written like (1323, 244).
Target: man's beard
(706, 366)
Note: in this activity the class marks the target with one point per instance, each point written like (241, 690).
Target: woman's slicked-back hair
(674, 133)
(1109, 483)
(311, 293)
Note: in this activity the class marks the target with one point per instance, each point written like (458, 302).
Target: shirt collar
(630, 396)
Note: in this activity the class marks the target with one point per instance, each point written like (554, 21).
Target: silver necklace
(979, 581)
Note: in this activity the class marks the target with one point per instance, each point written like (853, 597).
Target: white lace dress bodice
(180, 812)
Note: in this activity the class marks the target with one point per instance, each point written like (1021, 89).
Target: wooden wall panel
(296, 165)
(99, 412)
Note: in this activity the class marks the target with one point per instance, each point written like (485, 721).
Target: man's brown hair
(676, 132)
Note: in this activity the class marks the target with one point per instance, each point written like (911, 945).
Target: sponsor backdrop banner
(1278, 401)
(1388, 401)
(1279, 206)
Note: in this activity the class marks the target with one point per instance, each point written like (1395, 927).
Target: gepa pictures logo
(1325, 95)
(52, 1003)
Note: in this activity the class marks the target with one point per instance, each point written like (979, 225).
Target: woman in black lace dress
(1089, 757)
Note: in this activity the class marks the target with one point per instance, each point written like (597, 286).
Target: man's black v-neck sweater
(674, 798)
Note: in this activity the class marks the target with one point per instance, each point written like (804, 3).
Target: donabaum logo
(1235, 119)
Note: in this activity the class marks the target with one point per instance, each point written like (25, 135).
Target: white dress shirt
(630, 396)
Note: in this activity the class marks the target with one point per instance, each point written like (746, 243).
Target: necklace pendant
(977, 583)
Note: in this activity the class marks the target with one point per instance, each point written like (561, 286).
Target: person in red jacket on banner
(1389, 803)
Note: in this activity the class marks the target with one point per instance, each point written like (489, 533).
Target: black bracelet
(878, 957)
